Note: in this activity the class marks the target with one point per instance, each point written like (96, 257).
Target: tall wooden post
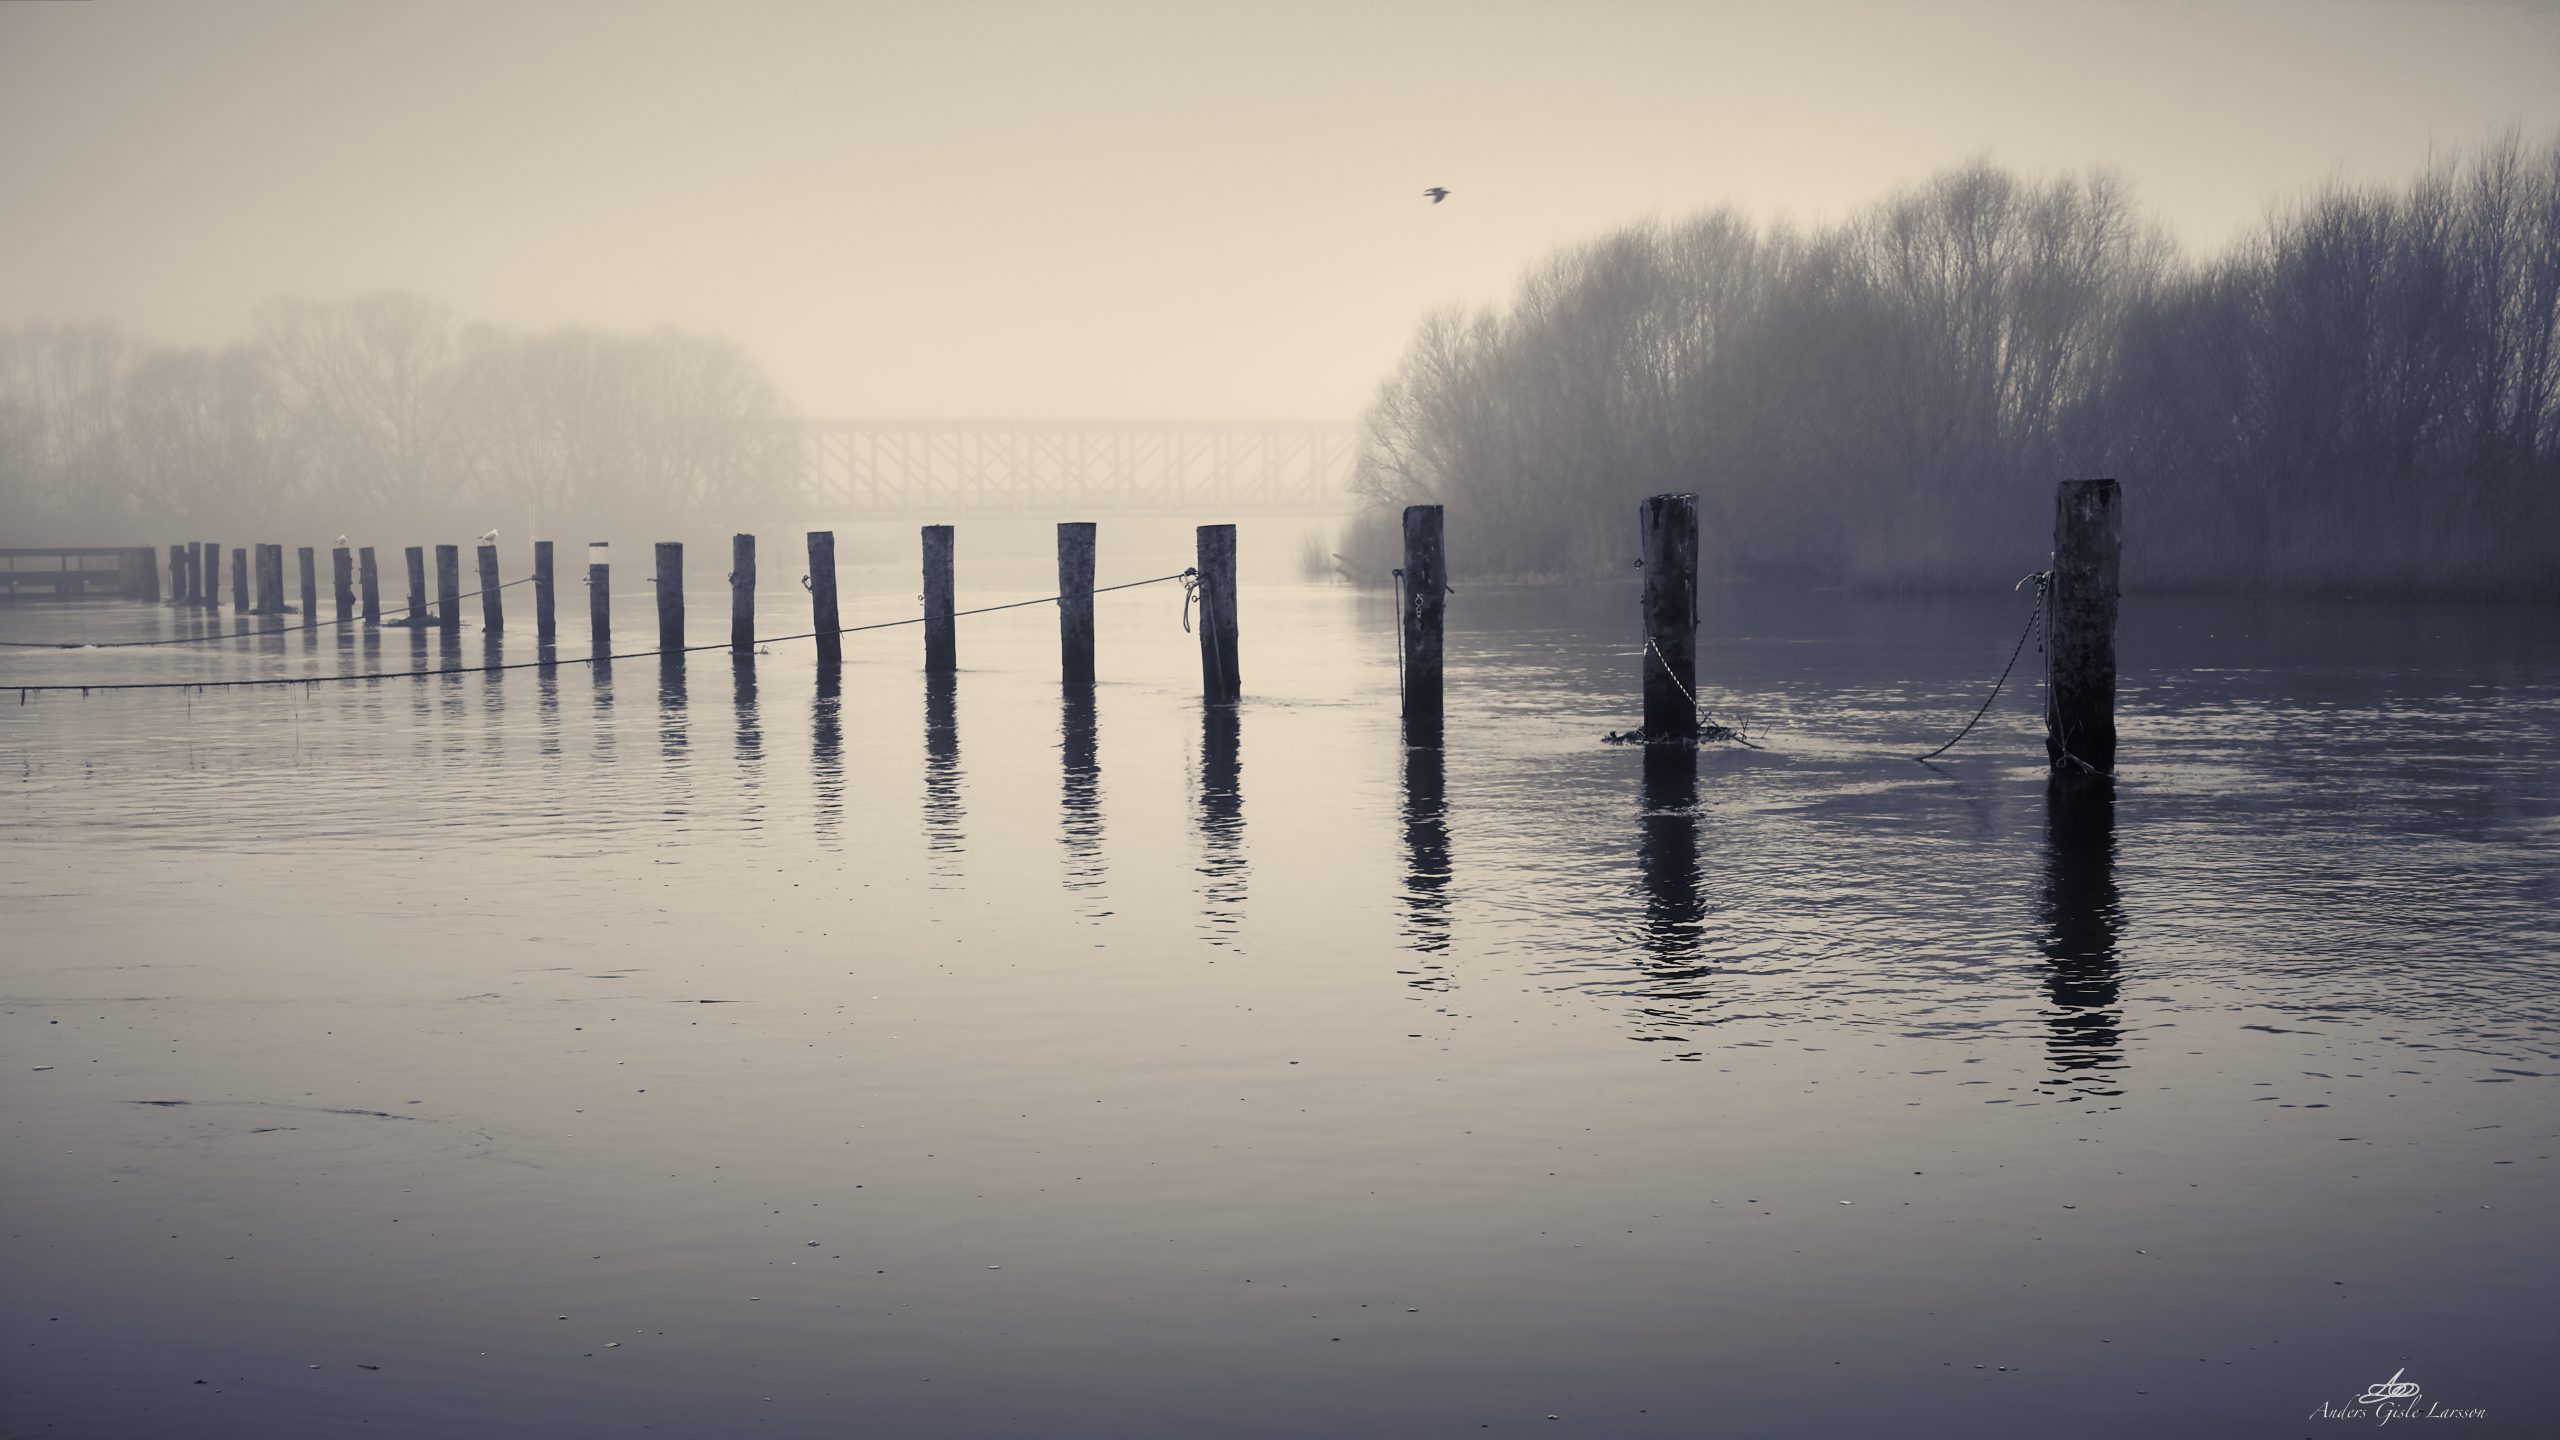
(449, 587)
(193, 592)
(211, 573)
(177, 574)
(493, 608)
(941, 640)
(599, 600)
(240, 579)
(742, 595)
(1075, 601)
(546, 630)
(271, 579)
(1668, 526)
(307, 568)
(1221, 673)
(417, 559)
(822, 597)
(369, 576)
(146, 573)
(670, 598)
(342, 582)
(2088, 543)
(1422, 601)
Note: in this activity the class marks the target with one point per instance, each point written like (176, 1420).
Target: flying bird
(1437, 193)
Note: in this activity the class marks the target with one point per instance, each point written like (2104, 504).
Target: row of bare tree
(2364, 395)
(376, 411)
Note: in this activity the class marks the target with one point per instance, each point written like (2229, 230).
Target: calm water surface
(714, 1051)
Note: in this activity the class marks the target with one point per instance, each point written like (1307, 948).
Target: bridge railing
(928, 468)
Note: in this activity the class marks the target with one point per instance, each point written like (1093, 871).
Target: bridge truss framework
(1073, 469)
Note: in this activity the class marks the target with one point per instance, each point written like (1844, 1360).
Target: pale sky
(1119, 210)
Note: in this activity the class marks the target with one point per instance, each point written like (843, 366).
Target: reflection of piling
(342, 581)
(417, 562)
(493, 609)
(1221, 674)
(1668, 528)
(307, 570)
(1424, 597)
(742, 595)
(822, 597)
(369, 575)
(449, 587)
(671, 599)
(1075, 601)
(1667, 853)
(2081, 916)
(2088, 540)
(546, 625)
(1426, 847)
(1080, 786)
(941, 638)
(599, 605)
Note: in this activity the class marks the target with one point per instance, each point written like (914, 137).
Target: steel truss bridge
(1071, 469)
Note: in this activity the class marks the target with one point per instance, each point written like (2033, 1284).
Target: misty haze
(1153, 721)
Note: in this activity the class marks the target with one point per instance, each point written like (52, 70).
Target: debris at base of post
(1708, 730)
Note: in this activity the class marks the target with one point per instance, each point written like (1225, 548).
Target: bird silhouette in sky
(1437, 193)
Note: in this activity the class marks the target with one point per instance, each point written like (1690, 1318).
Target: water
(702, 1053)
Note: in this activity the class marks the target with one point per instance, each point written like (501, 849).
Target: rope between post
(2044, 582)
(231, 634)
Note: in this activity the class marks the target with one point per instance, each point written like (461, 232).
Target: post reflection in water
(674, 745)
(826, 747)
(1080, 796)
(942, 810)
(1222, 863)
(601, 673)
(1426, 853)
(742, 674)
(2080, 915)
(1672, 995)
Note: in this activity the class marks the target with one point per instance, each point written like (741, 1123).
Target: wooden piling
(211, 574)
(449, 587)
(146, 574)
(1421, 603)
(193, 593)
(1075, 601)
(240, 579)
(417, 559)
(369, 575)
(177, 574)
(742, 594)
(342, 582)
(941, 639)
(599, 602)
(822, 597)
(546, 630)
(670, 598)
(270, 579)
(1221, 671)
(307, 567)
(2088, 544)
(1668, 528)
(493, 609)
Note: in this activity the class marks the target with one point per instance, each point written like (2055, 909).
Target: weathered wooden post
(417, 559)
(370, 575)
(240, 579)
(449, 587)
(192, 558)
(212, 574)
(742, 594)
(941, 639)
(1669, 529)
(546, 631)
(146, 574)
(670, 598)
(1075, 601)
(270, 579)
(307, 566)
(1221, 673)
(2088, 543)
(177, 574)
(493, 610)
(599, 600)
(342, 582)
(1422, 601)
(822, 597)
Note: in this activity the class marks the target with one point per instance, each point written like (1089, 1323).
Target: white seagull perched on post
(340, 542)
(488, 537)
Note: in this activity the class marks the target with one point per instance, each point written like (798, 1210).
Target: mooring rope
(262, 630)
(1709, 727)
(2044, 582)
(192, 685)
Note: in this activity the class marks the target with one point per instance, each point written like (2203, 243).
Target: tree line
(2362, 395)
(378, 411)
